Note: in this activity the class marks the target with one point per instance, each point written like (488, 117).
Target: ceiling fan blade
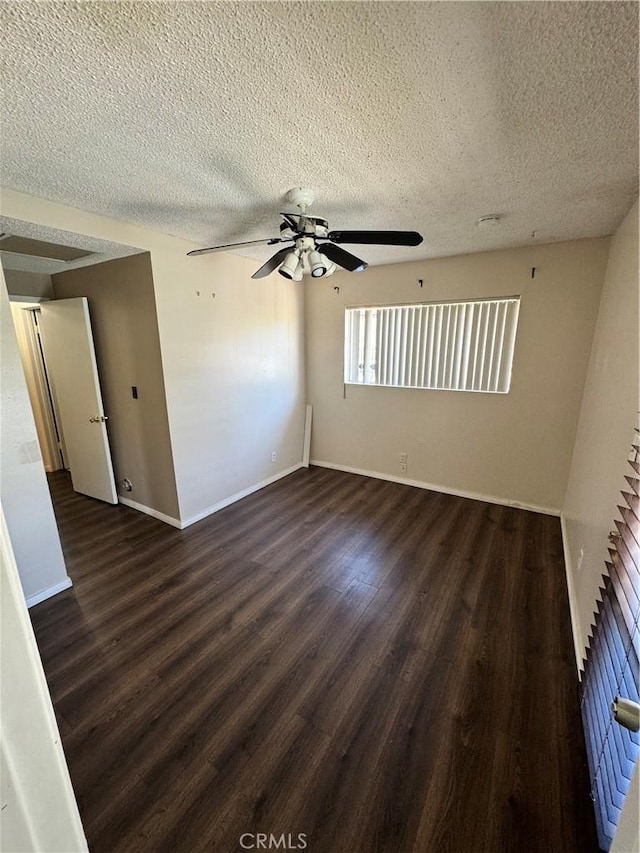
(342, 258)
(377, 238)
(270, 241)
(273, 262)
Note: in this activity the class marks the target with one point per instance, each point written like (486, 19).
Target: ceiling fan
(309, 252)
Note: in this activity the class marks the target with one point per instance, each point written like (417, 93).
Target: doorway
(55, 342)
(48, 424)
(55, 345)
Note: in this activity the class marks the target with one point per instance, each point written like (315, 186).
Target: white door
(70, 358)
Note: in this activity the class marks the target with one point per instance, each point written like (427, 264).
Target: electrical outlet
(403, 457)
(274, 456)
(127, 485)
(403, 467)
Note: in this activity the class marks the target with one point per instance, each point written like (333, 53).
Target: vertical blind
(453, 346)
(611, 666)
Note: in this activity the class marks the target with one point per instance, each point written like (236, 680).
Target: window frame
(433, 344)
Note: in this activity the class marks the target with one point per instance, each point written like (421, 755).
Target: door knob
(627, 713)
(98, 419)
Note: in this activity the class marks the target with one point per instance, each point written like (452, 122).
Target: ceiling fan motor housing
(306, 226)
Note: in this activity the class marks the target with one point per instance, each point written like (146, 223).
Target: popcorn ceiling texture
(195, 118)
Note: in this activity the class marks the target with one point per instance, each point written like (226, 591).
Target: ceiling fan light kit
(318, 263)
(291, 267)
(307, 255)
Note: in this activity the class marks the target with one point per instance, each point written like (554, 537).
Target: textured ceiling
(195, 118)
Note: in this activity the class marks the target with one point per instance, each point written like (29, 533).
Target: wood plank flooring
(379, 668)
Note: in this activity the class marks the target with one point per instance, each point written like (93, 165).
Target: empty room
(320, 449)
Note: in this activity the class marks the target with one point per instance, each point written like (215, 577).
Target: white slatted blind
(447, 346)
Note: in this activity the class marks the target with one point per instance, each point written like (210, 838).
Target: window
(448, 346)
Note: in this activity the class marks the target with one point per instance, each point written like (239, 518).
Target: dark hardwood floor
(380, 668)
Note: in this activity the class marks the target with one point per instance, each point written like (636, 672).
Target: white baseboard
(432, 487)
(49, 593)
(147, 510)
(573, 602)
(239, 495)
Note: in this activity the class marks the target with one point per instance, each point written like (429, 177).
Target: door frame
(41, 394)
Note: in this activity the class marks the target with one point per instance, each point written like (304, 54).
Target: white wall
(233, 364)
(23, 483)
(507, 448)
(39, 811)
(234, 373)
(607, 418)
(605, 430)
(627, 837)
